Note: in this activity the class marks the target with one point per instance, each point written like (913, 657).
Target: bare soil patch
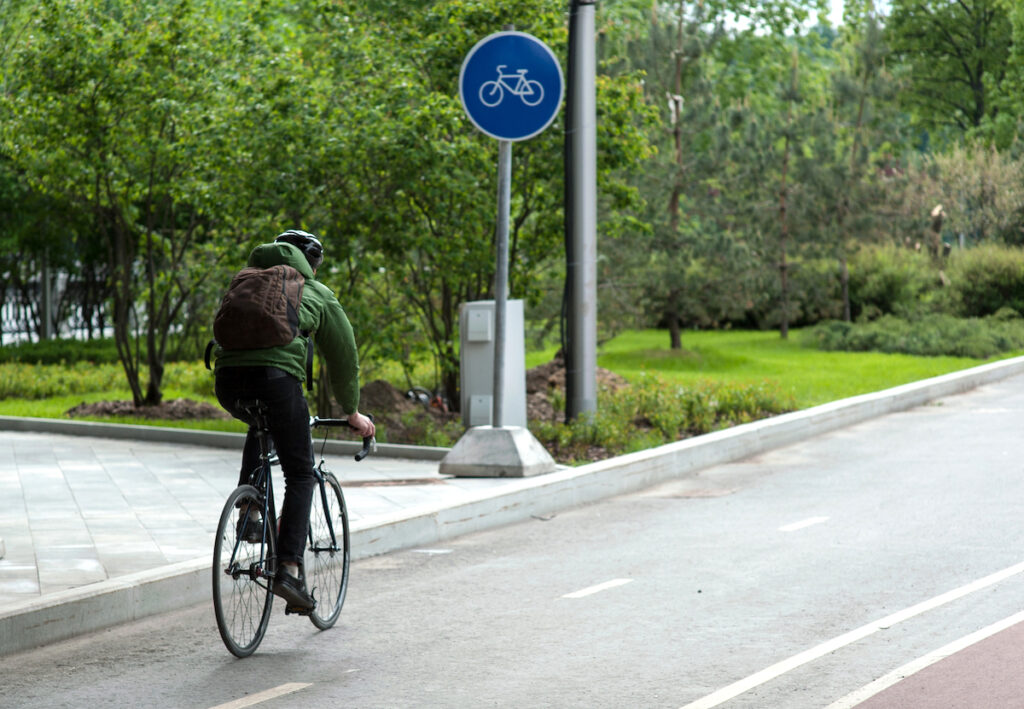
(173, 410)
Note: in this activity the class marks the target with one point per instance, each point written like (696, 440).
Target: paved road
(816, 575)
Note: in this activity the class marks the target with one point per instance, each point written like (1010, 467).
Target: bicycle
(245, 551)
(493, 92)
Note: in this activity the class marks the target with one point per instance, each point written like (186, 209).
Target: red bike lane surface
(986, 675)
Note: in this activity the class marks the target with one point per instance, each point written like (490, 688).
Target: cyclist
(275, 375)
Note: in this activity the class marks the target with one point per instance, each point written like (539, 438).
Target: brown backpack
(260, 309)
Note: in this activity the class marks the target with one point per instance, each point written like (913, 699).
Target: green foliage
(61, 351)
(889, 279)
(929, 335)
(126, 112)
(652, 411)
(27, 381)
(21, 380)
(987, 278)
(962, 47)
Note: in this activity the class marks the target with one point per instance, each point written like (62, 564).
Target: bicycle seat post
(257, 411)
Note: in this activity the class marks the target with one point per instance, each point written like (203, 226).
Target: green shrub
(27, 381)
(930, 335)
(889, 280)
(986, 278)
(60, 350)
(652, 412)
(19, 380)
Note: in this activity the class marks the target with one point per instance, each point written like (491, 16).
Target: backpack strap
(209, 350)
(309, 361)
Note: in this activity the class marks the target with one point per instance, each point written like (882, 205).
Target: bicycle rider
(275, 375)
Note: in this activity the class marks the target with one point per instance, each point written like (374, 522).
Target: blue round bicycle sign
(511, 85)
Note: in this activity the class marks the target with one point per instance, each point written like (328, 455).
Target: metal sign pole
(511, 86)
(501, 279)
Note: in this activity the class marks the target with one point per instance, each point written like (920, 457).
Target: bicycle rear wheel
(242, 575)
(327, 553)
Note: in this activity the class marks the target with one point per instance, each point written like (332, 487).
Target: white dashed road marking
(598, 588)
(802, 524)
(264, 696)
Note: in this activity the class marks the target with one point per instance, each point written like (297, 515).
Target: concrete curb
(69, 613)
(211, 439)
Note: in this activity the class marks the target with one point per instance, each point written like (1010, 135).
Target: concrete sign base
(488, 452)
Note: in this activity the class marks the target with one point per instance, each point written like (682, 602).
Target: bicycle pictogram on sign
(492, 92)
(510, 85)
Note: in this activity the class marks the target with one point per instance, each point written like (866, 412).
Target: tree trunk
(674, 329)
(844, 280)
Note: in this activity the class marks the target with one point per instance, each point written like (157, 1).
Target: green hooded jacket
(322, 316)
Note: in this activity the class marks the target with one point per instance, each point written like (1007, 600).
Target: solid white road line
(267, 695)
(886, 681)
(598, 588)
(780, 668)
(802, 524)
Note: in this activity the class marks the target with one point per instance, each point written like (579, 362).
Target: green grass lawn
(750, 357)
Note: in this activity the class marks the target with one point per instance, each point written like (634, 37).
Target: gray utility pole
(581, 216)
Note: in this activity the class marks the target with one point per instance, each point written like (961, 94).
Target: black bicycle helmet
(308, 244)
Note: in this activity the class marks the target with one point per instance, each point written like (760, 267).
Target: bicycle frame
(261, 479)
(319, 473)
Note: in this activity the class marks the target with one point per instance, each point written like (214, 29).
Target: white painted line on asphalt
(598, 588)
(780, 668)
(803, 524)
(431, 551)
(267, 695)
(897, 675)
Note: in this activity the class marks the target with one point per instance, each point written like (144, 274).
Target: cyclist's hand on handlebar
(362, 425)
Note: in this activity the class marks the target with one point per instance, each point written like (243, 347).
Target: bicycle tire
(242, 599)
(326, 563)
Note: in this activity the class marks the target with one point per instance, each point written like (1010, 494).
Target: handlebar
(369, 444)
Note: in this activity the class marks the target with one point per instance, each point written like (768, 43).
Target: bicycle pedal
(296, 610)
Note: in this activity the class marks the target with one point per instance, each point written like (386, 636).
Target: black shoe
(292, 591)
(253, 533)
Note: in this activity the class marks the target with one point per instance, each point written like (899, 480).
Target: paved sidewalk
(80, 510)
(103, 524)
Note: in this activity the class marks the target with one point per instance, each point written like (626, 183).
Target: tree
(956, 57)
(979, 189)
(709, 69)
(862, 88)
(121, 110)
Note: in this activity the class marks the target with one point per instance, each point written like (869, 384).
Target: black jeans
(288, 418)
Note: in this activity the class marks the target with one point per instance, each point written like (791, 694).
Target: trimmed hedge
(929, 335)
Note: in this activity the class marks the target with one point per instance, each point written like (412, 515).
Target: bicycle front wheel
(327, 553)
(242, 574)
